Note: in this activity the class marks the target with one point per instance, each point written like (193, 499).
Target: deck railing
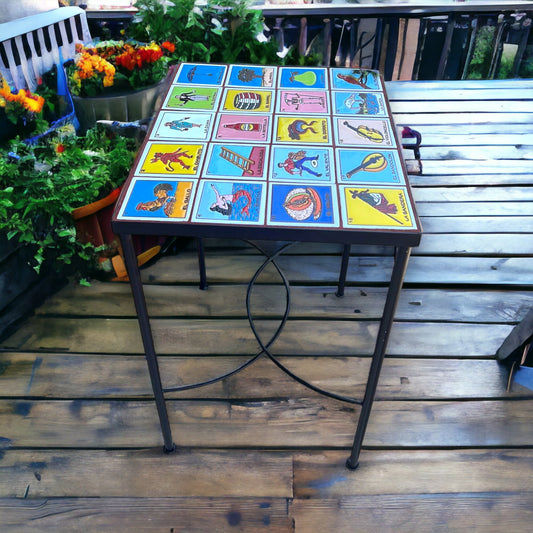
(411, 40)
(405, 40)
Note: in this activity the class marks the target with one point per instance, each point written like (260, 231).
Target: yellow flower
(35, 105)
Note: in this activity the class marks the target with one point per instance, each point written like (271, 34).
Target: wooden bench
(30, 46)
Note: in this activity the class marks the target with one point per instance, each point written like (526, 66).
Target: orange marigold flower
(171, 47)
(24, 98)
(33, 103)
(98, 64)
(5, 91)
(20, 96)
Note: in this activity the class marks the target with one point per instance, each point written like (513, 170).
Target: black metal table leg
(398, 272)
(344, 270)
(148, 341)
(201, 263)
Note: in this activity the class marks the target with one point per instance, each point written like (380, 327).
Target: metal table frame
(401, 258)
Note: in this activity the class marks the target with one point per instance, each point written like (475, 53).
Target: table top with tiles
(283, 153)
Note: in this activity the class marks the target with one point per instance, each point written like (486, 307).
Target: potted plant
(41, 186)
(19, 112)
(117, 80)
(33, 116)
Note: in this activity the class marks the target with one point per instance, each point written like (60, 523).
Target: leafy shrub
(221, 32)
(41, 185)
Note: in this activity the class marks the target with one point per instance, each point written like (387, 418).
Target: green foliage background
(221, 32)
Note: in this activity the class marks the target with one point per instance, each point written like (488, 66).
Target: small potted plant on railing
(116, 80)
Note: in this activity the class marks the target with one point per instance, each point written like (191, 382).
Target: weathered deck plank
(476, 153)
(473, 194)
(457, 305)
(457, 119)
(493, 209)
(476, 244)
(234, 337)
(442, 513)
(454, 106)
(95, 376)
(237, 473)
(58, 473)
(288, 423)
(514, 271)
(460, 89)
(466, 166)
(149, 515)
(322, 475)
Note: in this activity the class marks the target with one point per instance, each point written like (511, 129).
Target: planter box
(126, 107)
(21, 288)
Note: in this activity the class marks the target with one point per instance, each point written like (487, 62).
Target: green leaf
(66, 232)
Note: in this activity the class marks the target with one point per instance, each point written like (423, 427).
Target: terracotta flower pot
(93, 221)
(93, 224)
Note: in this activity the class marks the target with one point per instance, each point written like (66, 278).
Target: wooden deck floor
(447, 448)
